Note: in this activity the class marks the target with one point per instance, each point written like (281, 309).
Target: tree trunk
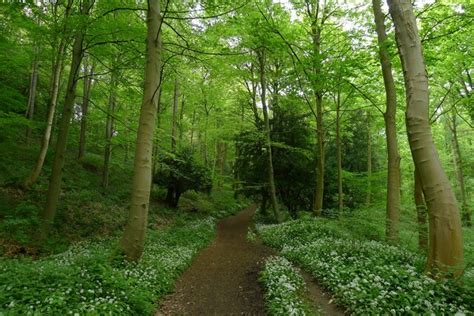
(53, 98)
(271, 180)
(445, 243)
(88, 73)
(204, 143)
(253, 95)
(181, 122)
(133, 238)
(458, 163)
(421, 214)
(109, 128)
(175, 115)
(48, 213)
(368, 199)
(340, 197)
(223, 159)
(318, 91)
(193, 121)
(156, 143)
(393, 157)
(30, 110)
(170, 196)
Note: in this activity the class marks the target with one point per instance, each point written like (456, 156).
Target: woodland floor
(223, 279)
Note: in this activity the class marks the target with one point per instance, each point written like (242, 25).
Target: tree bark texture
(340, 193)
(271, 179)
(181, 120)
(109, 128)
(368, 199)
(316, 26)
(53, 98)
(49, 211)
(133, 238)
(174, 125)
(88, 73)
(421, 213)
(393, 156)
(458, 163)
(30, 110)
(445, 236)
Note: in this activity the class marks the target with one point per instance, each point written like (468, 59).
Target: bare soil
(223, 279)
(320, 299)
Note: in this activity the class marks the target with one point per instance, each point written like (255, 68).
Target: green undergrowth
(74, 271)
(284, 288)
(220, 203)
(86, 210)
(85, 279)
(365, 276)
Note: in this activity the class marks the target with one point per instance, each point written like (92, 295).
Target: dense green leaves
(179, 172)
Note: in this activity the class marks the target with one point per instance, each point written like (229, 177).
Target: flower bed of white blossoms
(86, 280)
(366, 277)
(283, 287)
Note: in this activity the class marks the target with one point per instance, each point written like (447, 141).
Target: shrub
(179, 173)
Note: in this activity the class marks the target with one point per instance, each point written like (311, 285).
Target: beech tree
(393, 157)
(133, 238)
(445, 251)
(88, 74)
(268, 141)
(48, 212)
(57, 66)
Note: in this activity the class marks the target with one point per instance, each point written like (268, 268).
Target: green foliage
(86, 209)
(367, 277)
(284, 287)
(293, 161)
(179, 173)
(84, 280)
(219, 204)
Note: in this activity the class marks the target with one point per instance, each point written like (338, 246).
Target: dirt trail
(319, 299)
(223, 278)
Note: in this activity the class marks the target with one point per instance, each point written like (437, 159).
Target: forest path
(223, 278)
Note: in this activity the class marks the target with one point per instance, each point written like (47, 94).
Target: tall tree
(368, 197)
(174, 123)
(88, 74)
(109, 126)
(458, 164)
(393, 157)
(49, 211)
(30, 109)
(268, 141)
(340, 194)
(86, 94)
(421, 213)
(318, 15)
(133, 238)
(57, 66)
(445, 241)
